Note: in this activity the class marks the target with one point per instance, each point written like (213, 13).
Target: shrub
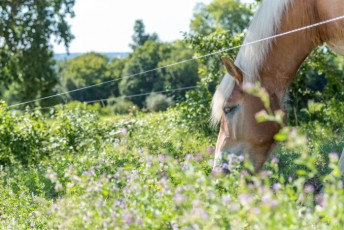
(158, 102)
(121, 106)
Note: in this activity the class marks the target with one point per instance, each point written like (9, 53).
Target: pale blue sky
(107, 25)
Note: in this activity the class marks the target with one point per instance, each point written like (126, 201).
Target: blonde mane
(250, 59)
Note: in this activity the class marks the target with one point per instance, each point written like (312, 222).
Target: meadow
(77, 169)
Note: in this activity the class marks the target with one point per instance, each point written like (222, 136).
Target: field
(75, 169)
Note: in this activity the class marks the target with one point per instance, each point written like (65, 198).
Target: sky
(107, 25)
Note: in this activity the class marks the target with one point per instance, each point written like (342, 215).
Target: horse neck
(288, 52)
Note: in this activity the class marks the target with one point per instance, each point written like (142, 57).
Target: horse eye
(230, 109)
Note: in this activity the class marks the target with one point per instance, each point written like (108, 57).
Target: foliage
(140, 37)
(319, 79)
(26, 29)
(158, 102)
(154, 55)
(151, 171)
(143, 59)
(121, 106)
(85, 70)
(220, 15)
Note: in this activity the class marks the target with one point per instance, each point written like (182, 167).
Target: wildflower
(124, 131)
(51, 175)
(179, 198)
(189, 157)
(128, 219)
(265, 174)
(200, 212)
(319, 199)
(139, 221)
(234, 207)
(256, 211)
(245, 199)
(275, 160)
(211, 149)
(276, 186)
(309, 188)
(58, 187)
(244, 173)
(185, 167)
(226, 199)
(241, 157)
(216, 171)
(199, 157)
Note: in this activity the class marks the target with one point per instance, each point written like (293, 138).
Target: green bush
(158, 102)
(121, 106)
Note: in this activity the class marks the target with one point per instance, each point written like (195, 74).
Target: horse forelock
(222, 93)
(265, 23)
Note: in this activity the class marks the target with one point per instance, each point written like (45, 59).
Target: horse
(273, 63)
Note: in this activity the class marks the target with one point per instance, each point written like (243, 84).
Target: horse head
(236, 110)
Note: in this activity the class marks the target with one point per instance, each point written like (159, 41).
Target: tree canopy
(26, 29)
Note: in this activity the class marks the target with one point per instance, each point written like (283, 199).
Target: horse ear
(234, 71)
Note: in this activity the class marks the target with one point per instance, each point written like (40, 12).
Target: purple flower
(179, 198)
(185, 167)
(128, 219)
(241, 157)
(226, 199)
(216, 171)
(244, 173)
(211, 149)
(319, 199)
(245, 198)
(275, 160)
(189, 157)
(200, 212)
(273, 203)
(276, 186)
(265, 174)
(199, 157)
(124, 131)
(309, 188)
(256, 211)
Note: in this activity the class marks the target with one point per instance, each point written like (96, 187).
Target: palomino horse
(273, 63)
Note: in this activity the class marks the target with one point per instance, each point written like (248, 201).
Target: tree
(88, 69)
(26, 58)
(146, 57)
(154, 55)
(182, 75)
(140, 36)
(220, 15)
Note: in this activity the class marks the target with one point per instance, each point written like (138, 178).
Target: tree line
(28, 69)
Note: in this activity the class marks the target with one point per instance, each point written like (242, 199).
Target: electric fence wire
(124, 96)
(184, 61)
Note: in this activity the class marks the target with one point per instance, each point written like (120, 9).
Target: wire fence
(180, 62)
